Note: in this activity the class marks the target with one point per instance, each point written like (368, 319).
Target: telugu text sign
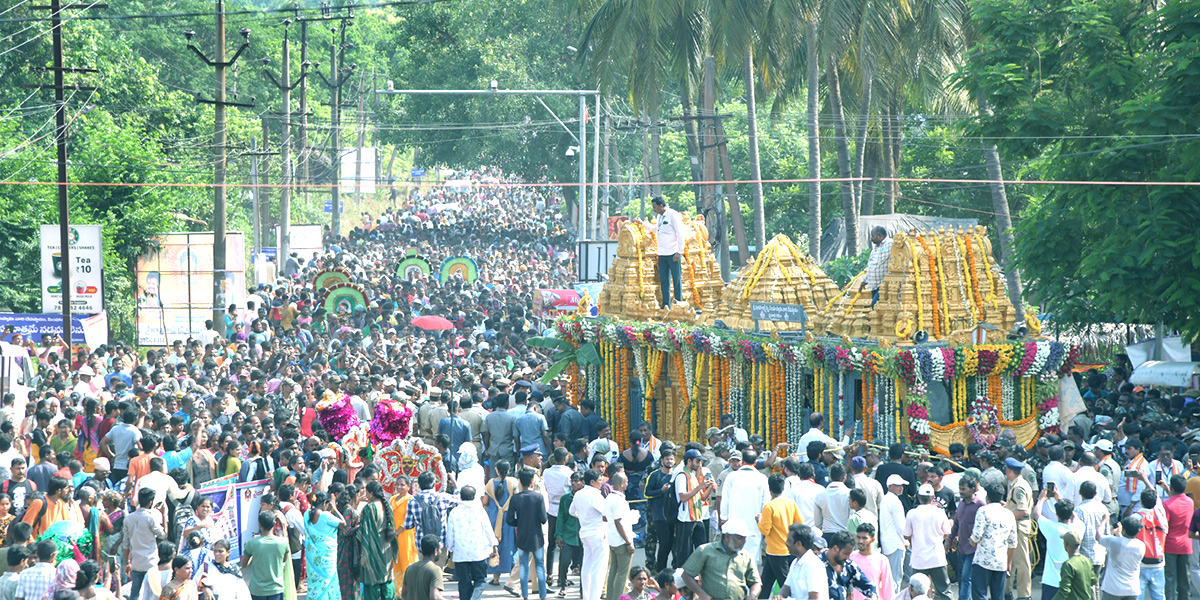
(771, 311)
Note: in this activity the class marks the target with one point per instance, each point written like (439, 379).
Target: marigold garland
(933, 286)
(987, 269)
(974, 281)
(963, 296)
(917, 285)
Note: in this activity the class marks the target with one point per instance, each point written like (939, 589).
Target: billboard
(87, 331)
(87, 263)
(175, 285)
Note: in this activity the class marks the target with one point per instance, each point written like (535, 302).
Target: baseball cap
(720, 447)
(711, 432)
(690, 454)
(735, 455)
(100, 464)
(895, 479)
(1071, 537)
(925, 490)
(1105, 446)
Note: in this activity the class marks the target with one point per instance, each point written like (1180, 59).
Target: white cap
(925, 490)
(86, 370)
(736, 527)
(895, 479)
(1105, 446)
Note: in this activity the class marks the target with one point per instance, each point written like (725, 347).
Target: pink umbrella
(432, 323)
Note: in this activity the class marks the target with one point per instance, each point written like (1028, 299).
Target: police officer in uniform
(1020, 502)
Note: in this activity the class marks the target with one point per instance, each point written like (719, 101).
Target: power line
(263, 11)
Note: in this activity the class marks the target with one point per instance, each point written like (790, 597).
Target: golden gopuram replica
(632, 290)
(782, 273)
(942, 282)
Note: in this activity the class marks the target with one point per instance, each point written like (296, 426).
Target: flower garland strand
(933, 286)
(963, 296)
(916, 265)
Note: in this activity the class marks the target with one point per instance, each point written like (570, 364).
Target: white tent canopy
(1165, 373)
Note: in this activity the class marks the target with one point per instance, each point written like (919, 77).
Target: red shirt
(1179, 519)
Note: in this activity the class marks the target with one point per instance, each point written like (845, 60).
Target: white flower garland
(1048, 419)
(639, 364)
(837, 404)
(1006, 399)
(938, 372)
(793, 394)
(737, 394)
(981, 386)
(689, 367)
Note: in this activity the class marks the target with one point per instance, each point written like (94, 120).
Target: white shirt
(588, 506)
(669, 227)
(806, 575)
(751, 491)
(833, 508)
(872, 489)
(812, 435)
(1062, 477)
(891, 523)
(469, 535)
(927, 527)
(1103, 492)
(804, 493)
(557, 480)
(1158, 469)
(161, 483)
(617, 507)
(295, 520)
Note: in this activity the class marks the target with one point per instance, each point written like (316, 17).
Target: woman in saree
(87, 447)
(321, 548)
(181, 586)
(348, 568)
(406, 538)
(497, 494)
(377, 537)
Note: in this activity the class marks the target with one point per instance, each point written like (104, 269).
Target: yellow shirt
(777, 516)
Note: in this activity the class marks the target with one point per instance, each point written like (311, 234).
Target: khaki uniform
(1020, 497)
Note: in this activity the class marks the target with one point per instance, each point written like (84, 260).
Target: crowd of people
(103, 461)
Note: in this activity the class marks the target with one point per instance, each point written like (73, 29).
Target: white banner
(87, 264)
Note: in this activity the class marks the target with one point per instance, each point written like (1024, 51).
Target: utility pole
(338, 76)
(362, 127)
(219, 154)
(285, 157)
(256, 226)
(60, 144)
(303, 152)
(264, 194)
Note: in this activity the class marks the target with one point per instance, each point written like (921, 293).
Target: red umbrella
(432, 323)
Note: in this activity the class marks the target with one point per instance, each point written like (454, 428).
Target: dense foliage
(1072, 90)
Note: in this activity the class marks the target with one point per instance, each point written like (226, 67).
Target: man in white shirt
(620, 536)
(833, 504)
(670, 231)
(877, 264)
(925, 529)
(749, 487)
(471, 541)
(588, 507)
(801, 488)
(891, 526)
(557, 482)
(807, 578)
(861, 480)
(1087, 472)
(816, 423)
(1059, 474)
(1163, 468)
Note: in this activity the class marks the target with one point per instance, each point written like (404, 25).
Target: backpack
(670, 502)
(431, 518)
